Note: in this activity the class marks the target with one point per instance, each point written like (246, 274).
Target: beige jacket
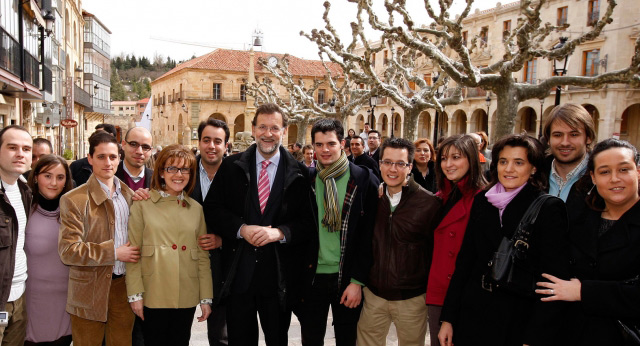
(173, 271)
(86, 244)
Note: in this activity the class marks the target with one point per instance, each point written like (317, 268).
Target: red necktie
(263, 186)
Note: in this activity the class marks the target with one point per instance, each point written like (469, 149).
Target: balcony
(81, 97)
(9, 53)
(475, 92)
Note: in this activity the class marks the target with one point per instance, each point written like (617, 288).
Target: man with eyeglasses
(402, 249)
(134, 173)
(259, 204)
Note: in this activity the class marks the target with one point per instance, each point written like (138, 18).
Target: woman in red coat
(460, 178)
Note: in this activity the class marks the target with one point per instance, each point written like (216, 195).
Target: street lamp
(438, 94)
(373, 101)
(560, 66)
(49, 20)
(393, 115)
(95, 89)
(540, 125)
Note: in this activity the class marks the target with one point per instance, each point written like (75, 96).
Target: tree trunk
(411, 117)
(302, 131)
(506, 112)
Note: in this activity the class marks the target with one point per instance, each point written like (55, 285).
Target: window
(530, 71)
(484, 36)
(464, 38)
(590, 61)
(373, 59)
(412, 86)
(562, 16)
(321, 96)
(217, 89)
(594, 12)
(386, 57)
(506, 29)
(243, 92)
(121, 108)
(427, 78)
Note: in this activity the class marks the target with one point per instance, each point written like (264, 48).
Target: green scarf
(329, 175)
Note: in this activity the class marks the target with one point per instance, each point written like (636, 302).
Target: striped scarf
(329, 175)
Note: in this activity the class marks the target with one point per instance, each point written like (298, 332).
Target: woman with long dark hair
(46, 290)
(605, 253)
(460, 179)
(480, 311)
(423, 164)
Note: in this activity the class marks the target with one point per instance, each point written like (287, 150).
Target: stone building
(213, 85)
(615, 109)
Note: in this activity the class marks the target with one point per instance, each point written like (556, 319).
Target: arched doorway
(397, 125)
(630, 125)
(424, 125)
(292, 133)
(526, 121)
(460, 121)
(238, 125)
(443, 125)
(595, 115)
(218, 116)
(359, 124)
(479, 121)
(384, 125)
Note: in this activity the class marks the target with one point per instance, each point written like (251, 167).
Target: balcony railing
(81, 97)
(31, 70)
(9, 53)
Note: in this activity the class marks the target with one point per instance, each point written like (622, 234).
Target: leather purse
(509, 268)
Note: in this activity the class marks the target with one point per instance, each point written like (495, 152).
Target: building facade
(615, 108)
(213, 86)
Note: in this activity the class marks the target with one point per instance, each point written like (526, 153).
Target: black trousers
(167, 326)
(137, 336)
(217, 326)
(242, 323)
(313, 312)
(63, 341)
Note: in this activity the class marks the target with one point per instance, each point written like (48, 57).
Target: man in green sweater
(340, 256)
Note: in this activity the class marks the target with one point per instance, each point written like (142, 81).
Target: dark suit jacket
(480, 317)
(375, 156)
(603, 264)
(80, 171)
(365, 160)
(233, 201)
(147, 174)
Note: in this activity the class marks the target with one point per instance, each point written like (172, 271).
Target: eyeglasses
(273, 129)
(398, 164)
(174, 170)
(136, 145)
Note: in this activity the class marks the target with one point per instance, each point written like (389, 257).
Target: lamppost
(393, 115)
(439, 92)
(487, 101)
(373, 101)
(540, 125)
(560, 67)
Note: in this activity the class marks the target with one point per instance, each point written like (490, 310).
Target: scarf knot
(329, 175)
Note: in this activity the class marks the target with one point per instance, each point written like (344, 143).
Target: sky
(150, 27)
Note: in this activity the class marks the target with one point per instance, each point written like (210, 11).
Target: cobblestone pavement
(199, 334)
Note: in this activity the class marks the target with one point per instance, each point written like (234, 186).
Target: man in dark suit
(260, 206)
(374, 145)
(213, 136)
(361, 159)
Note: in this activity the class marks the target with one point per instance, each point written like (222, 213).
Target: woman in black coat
(605, 252)
(475, 311)
(424, 165)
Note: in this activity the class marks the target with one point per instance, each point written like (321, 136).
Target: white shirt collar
(275, 159)
(139, 176)
(107, 190)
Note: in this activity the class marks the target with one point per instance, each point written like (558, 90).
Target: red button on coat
(184, 247)
(174, 246)
(184, 204)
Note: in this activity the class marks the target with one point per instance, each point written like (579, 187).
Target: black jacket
(365, 160)
(233, 201)
(357, 256)
(148, 173)
(9, 238)
(576, 199)
(603, 264)
(480, 317)
(80, 171)
(429, 182)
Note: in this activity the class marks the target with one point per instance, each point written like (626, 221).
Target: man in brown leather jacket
(402, 249)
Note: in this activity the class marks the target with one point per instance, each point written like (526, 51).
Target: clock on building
(273, 61)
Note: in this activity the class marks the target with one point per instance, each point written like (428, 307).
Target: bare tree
(529, 40)
(301, 106)
(399, 70)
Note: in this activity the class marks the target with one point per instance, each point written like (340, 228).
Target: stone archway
(359, 124)
(292, 134)
(424, 125)
(397, 125)
(218, 116)
(238, 126)
(384, 125)
(443, 125)
(459, 122)
(630, 125)
(526, 121)
(479, 121)
(595, 115)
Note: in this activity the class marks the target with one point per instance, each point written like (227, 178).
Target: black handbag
(509, 268)
(630, 329)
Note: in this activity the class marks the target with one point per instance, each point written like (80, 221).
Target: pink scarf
(500, 198)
